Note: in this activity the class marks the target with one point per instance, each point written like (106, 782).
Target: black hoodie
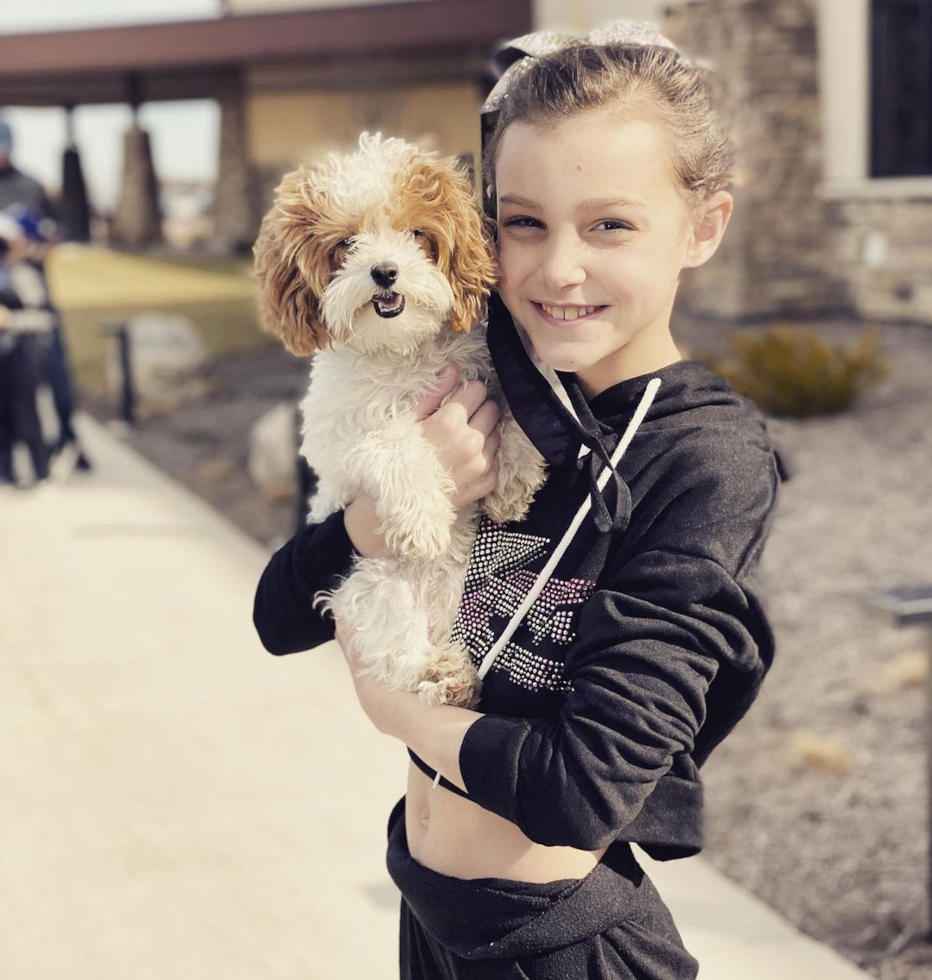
(650, 640)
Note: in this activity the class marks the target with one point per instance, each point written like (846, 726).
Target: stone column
(773, 260)
(235, 207)
(138, 220)
(75, 207)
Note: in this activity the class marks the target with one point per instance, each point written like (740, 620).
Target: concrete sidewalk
(178, 803)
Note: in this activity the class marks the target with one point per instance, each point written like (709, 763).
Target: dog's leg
(381, 605)
(450, 676)
(412, 489)
(521, 474)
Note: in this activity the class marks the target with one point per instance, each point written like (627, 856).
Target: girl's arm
(434, 732)
(313, 560)
(462, 431)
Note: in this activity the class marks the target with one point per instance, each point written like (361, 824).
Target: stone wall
(774, 256)
(789, 252)
(881, 251)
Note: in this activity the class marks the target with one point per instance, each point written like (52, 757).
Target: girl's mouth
(565, 316)
(388, 304)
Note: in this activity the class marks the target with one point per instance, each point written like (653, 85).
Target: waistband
(495, 918)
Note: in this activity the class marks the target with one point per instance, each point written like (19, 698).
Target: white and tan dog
(378, 262)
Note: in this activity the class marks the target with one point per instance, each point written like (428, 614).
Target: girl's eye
(522, 222)
(611, 224)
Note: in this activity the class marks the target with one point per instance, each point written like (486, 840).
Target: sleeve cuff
(489, 763)
(324, 545)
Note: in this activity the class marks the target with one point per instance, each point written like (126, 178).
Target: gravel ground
(816, 802)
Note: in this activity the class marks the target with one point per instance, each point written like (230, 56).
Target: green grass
(94, 286)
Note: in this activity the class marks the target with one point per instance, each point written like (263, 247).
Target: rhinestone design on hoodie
(496, 583)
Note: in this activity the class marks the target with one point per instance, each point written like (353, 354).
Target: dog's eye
(344, 243)
(416, 232)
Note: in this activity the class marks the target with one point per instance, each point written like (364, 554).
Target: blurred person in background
(26, 323)
(25, 199)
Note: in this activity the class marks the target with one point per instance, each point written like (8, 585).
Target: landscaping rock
(167, 360)
(273, 452)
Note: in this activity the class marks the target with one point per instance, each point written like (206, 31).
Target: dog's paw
(450, 679)
(505, 507)
(511, 501)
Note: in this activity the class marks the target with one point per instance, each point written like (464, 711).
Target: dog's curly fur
(378, 262)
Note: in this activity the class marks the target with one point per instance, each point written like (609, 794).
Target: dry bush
(792, 371)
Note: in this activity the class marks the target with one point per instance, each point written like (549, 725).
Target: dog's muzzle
(388, 304)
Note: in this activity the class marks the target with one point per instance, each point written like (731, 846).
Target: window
(901, 88)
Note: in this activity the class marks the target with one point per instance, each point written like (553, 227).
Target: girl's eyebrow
(594, 204)
(518, 201)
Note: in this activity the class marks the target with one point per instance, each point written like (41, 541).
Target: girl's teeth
(568, 313)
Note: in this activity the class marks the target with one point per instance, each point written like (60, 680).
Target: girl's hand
(463, 433)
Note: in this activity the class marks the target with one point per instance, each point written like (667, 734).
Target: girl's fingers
(469, 398)
(486, 417)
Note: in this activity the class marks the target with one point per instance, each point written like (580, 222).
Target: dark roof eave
(378, 29)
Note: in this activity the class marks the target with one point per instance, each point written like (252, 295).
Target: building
(833, 108)
(292, 79)
(834, 111)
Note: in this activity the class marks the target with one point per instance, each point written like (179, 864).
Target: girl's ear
(709, 222)
(285, 263)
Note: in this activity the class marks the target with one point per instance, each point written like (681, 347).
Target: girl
(607, 173)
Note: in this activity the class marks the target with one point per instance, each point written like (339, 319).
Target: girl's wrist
(363, 527)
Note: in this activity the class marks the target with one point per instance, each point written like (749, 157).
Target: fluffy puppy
(377, 263)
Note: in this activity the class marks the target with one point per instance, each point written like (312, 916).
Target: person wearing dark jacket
(26, 322)
(24, 197)
(621, 627)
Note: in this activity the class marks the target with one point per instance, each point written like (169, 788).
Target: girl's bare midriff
(453, 836)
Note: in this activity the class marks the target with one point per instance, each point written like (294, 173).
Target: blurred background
(140, 146)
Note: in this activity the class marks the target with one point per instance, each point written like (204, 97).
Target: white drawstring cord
(639, 413)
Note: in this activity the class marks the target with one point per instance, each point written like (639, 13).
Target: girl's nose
(562, 264)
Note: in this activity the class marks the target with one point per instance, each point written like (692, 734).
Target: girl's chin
(566, 356)
(562, 363)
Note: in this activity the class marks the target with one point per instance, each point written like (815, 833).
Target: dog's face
(376, 249)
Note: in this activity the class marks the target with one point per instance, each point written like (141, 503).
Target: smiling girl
(647, 641)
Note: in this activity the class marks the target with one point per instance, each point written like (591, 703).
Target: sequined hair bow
(517, 56)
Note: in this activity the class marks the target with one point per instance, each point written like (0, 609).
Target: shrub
(794, 371)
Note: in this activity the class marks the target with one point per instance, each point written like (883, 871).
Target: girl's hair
(653, 82)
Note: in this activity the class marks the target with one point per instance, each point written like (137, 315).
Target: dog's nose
(384, 274)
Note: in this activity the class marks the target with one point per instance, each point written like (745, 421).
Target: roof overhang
(188, 60)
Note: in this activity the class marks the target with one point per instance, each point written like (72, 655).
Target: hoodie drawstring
(639, 413)
(600, 481)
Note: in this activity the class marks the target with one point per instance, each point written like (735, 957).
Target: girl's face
(592, 236)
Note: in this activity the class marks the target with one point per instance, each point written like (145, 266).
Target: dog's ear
(286, 270)
(470, 263)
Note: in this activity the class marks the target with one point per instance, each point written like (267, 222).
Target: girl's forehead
(584, 156)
